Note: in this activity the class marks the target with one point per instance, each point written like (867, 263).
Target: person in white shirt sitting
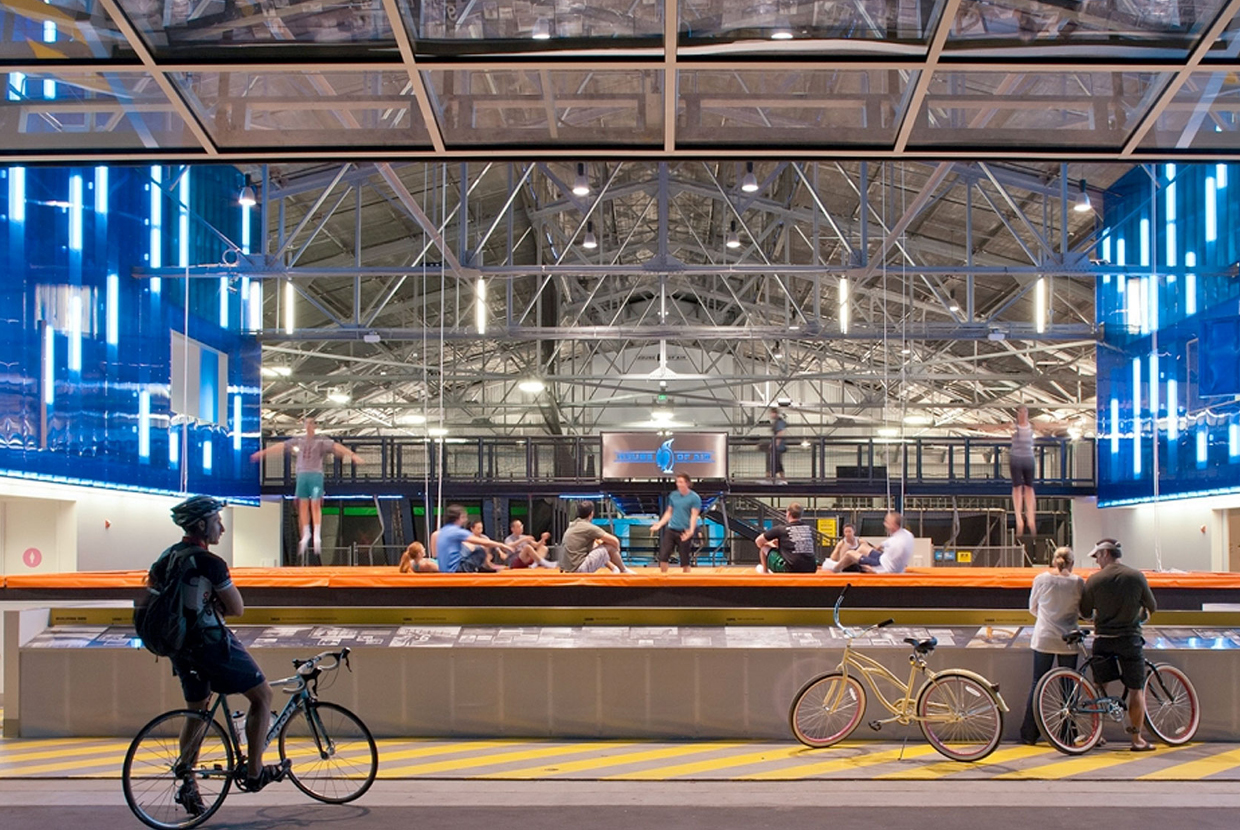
(1055, 601)
(891, 557)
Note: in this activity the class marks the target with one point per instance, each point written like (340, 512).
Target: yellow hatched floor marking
(498, 758)
(838, 764)
(552, 770)
(1092, 762)
(80, 749)
(662, 773)
(999, 756)
(1196, 770)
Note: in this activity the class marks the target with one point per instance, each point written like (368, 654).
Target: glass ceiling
(320, 79)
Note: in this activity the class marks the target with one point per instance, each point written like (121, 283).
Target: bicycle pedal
(876, 725)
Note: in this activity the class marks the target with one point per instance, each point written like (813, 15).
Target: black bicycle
(179, 769)
(1069, 711)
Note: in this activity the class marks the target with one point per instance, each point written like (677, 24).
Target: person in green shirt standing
(679, 523)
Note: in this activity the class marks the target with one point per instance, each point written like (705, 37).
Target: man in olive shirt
(1119, 599)
(587, 547)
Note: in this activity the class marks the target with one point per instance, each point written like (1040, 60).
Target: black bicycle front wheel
(333, 756)
(171, 788)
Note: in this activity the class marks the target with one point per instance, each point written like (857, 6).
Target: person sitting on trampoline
(891, 557)
(788, 548)
(415, 561)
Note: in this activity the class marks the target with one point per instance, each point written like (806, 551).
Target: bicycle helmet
(194, 509)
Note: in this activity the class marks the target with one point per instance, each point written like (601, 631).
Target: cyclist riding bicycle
(213, 659)
(1121, 598)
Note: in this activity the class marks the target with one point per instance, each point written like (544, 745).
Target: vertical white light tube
(1211, 210)
(183, 229)
(157, 224)
(1173, 410)
(1136, 416)
(75, 213)
(223, 302)
(1190, 284)
(237, 423)
(1039, 305)
(1233, 440)
(256, 305)
(113, 302)
(1154, 387)
(101, 191)
(1203, 445)
(289, 320)
(17, 194)
(174, 446)
(207, 460)
(144, 424)
(1145, 242)
(844, 305)
(1220, 175)
(480, 306)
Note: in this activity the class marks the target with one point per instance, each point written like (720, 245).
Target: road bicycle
(332, 754)
(960, 713)
(1069, 710)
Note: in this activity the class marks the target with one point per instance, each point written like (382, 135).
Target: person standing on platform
(788, 548)
(589, 548)
(891, 557)
(448, 542)
(1054, 601)
(1119, 599)
(310, 450)
(1021, 466)
(679, 524)
(531, 552)
(849, 542)
(776, 447)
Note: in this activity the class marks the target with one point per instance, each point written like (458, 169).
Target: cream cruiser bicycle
(959, 712)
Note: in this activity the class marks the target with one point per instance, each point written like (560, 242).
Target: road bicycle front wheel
(827, 710)
(333, 755)
(169, 788)
(1172, 711)
(1065, 710)
(960, 716)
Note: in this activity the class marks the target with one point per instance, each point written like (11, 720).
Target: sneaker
(760, 569)
(189, 798)
(269, 774)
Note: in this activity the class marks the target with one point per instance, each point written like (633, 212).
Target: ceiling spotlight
(918, 420)
(888, 432)
(591, 241)
(1082, 201)
(732, 239)
(247, 197)
(906, 350)
(661, 415)
(437, 432)
(749, 183)
(531, 386)
(952, 305)
(778, 351)
(269, 372)
(542, 29)
(339, 395)
(782, 30)
(411, 419)
(581, 185)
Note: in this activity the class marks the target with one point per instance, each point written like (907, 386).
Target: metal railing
(574, 459)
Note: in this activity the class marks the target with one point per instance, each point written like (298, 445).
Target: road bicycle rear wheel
(166, 790)
(827, 710)
(333, 756)
(1063, 706)
(1172, 710)
(960, 716)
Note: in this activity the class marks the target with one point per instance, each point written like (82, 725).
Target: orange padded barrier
(390, 577)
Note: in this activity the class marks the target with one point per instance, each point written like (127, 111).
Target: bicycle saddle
(922, 646)
(1074, 637)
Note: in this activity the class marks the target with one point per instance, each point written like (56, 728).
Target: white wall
(95, 529)
(36, 536)
(1192, 533)
(256, 533)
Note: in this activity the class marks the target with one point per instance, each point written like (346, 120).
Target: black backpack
(159, 615)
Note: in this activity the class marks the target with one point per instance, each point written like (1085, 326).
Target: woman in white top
(1055, 600)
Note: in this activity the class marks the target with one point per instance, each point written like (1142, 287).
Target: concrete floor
(560, 805)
